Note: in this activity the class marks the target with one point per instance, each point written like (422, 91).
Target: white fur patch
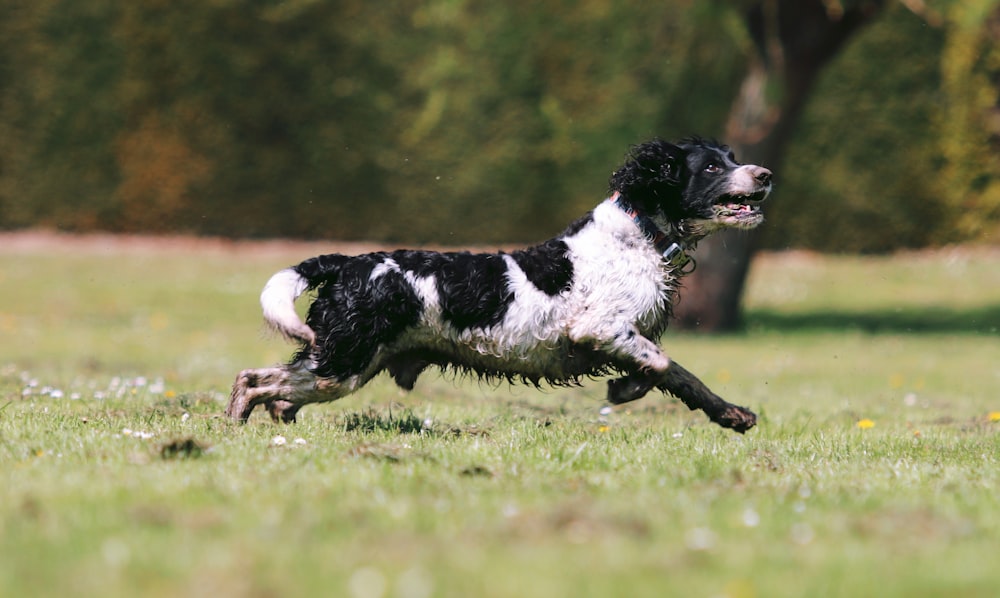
(389, 265)
(619, 279)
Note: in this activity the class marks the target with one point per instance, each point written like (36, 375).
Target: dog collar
(672, 251)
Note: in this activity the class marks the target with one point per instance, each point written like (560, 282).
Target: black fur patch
(547, 266)
(320, 269)
(352, 315)
(472, 288)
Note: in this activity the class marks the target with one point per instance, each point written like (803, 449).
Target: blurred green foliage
(464, 121)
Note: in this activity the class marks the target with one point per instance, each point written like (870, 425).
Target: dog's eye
(713, 168)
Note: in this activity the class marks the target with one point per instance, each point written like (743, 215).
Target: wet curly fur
(592, 301)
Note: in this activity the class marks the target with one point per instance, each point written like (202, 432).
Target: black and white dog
(592, 301)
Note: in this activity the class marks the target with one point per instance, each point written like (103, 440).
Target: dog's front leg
(688, 388)
(652, 368)
(649, 363)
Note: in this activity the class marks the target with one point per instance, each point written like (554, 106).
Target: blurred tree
(970, 129)
(267, 112)
(523, 109)
(869, 179)
(469, 122)
(863, 168)
(58, 113)
(451, 122)
(792, 41)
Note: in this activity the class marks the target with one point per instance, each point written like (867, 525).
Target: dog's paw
(240, 406)
(237, 410)
(737, 418)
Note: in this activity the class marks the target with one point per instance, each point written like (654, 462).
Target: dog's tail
(279, 294)
(278, 301)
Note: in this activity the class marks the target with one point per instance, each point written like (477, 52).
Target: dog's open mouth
(740, 211)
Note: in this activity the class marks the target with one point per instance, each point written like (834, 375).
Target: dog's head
(695, 186)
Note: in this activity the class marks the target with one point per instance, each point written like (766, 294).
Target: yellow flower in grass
(159, 321)
(896, 380)
(865, 424)
(994, 416)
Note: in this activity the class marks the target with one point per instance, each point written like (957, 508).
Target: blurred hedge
(467, 121)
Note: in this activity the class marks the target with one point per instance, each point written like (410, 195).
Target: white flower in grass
(367, 582)
(414, 583)
(700, 539)
(279, 440)
(802, 534)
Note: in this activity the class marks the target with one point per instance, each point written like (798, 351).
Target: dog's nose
(763, 176)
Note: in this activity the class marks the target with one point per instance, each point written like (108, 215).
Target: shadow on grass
(983, 320)
(373, 421)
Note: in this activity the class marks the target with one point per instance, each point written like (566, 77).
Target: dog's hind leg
(405, 367)
(692, 392)
(284, 390)
(405, 373)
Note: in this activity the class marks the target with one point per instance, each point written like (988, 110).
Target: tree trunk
(711, 297)
(794, 40)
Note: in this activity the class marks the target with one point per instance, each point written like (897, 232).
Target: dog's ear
(671, 162)
(650, 169)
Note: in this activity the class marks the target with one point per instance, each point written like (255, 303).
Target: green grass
(120, 477)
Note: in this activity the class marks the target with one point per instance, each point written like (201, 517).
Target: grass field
(874, 471)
